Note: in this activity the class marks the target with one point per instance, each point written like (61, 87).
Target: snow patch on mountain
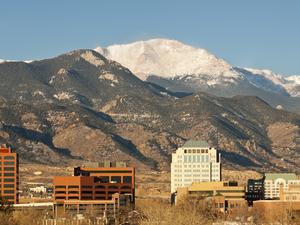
(271, 81)
(168, 58)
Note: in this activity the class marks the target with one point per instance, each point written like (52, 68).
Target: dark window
(86, 192)
(9, 185)
(60, 197)
(73, 186)
(86, 198)
(125, 187)
(9, 174)
(100, 187)
(9, 168)
(116, 179)
(60, 192)
(9, 157)
(100, 192)
(73, 192)
(73, 198)
(87, 187)
(113, 187)
(9, 191)
(9, 197)
(100, 198)
(9, 180)
(104, 179)
(9, 163)
(60, 186)
(127, 179)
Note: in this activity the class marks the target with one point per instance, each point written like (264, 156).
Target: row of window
(7, 157)
(8, 168)
(196, 158)
(196, 151)
(7, 180)
(90, 187)
(8, 174)
(7, 163)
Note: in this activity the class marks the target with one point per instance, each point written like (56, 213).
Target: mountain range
(83, 105)
(183, 68)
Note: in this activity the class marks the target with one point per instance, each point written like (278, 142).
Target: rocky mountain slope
(183, 68)
(82, 106)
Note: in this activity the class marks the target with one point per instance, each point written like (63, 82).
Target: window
(9, 185)
(60, 186)
(73, 186)
(104, 179)
(9, 180)
(9, 191)
(9, 163)
(9, 169)
(9, 157)
(9, 174)
(127, 179)
(116, 179)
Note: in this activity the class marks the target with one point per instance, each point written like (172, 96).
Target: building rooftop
(286, 176)
(196, 144)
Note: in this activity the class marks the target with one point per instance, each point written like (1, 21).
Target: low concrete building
(225, 195)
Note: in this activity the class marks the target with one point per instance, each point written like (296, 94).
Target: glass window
(9, 163)
(190, 158)
(116, 179)
(9, 191)
(9, 180)
(185, 159)
(9, 174)
(9, 168)
(194, 159)
(9, 157)
(9, 185)
(127, 179)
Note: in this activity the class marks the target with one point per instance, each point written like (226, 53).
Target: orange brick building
(95, 183)
(9, 168)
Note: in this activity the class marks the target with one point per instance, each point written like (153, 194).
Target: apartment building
(95, 183)
(195, 161)
(9, 169)
(274, 181)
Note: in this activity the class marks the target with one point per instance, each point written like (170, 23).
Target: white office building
(195, 161)
(273, 182)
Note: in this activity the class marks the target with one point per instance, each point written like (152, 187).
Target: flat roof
(196, 144)
(286, 176)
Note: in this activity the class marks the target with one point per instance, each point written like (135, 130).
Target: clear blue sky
(253, 33)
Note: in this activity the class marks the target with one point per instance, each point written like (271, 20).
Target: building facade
(291, 193)
(225, 195)
(9, 169)
(95, 183)
(195, 161)
(255, 190)
(275, 181)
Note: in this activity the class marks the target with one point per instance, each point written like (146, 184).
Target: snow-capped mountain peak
(168, 58)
